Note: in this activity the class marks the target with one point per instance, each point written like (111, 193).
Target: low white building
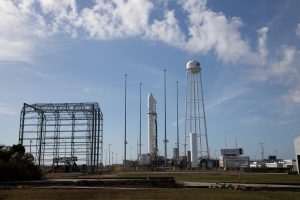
(274, 164)
(297, 152)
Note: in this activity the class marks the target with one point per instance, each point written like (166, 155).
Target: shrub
(16, 165)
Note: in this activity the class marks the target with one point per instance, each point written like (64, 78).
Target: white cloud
(293, 96)
(298, 30)
(20, 29)
(208, 30)
(6, 109)
(252, 120)
(262, 44)
(211, 31)
(284, 69)
(27, 22)
(93, 90)
(15, 50)
(228, 93)
(116, 19)
(286, 65)
(167, 30)
(63, 15)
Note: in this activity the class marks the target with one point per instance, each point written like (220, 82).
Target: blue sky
(79, 51)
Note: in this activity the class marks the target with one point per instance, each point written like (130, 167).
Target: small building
(233, 159)
(255, 164)
(297, 152)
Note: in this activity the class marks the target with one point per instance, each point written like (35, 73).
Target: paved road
(119, 183)
(241, 186)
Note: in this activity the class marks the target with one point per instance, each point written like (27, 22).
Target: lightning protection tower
(195, 120)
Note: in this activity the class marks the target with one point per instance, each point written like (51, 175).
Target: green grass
(210, 177)
(169, 193)
(174, 194)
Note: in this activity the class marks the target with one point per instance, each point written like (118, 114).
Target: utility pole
(216, 153)
(137, 149)
(117, 157)
(140, 144)
(130, 153)
(125, 140)
(262, 150)
(177, 123)
(109, 154)
(30, 146)
(275, 151)
(105, 157)
(65, 148)
(165, 103)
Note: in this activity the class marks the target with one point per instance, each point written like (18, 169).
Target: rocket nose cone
(150, 95)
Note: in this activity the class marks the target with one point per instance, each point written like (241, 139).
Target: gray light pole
(30, 146)
(262, 150)
(117, 157)
(125, 141)
(140, 142)
(216, 153)
(65, 148)
(130, 152)
(105, 157)
(109, 154)
(165, 103)
(177, 123)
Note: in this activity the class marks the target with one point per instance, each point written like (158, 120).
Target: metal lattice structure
(195, 119)
(63, 132)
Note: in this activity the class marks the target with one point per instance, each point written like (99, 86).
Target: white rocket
(152, 125)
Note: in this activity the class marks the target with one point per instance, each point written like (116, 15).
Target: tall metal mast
(165, 101)
(262, 150)
(140, 138)
(177, 121)
(125, 140)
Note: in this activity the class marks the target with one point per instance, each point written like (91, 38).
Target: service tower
(195, 120)
(152, 125)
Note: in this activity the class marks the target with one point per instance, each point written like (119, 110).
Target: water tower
(195, 119)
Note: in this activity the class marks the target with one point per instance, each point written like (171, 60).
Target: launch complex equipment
(63, 133)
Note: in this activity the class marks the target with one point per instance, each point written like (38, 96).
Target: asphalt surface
(138, 183)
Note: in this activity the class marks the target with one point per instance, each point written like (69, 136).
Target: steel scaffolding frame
(63, 132)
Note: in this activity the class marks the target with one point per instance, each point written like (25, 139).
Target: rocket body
(152, 125)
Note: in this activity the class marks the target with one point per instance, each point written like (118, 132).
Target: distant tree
(18, 148)
(15, 164)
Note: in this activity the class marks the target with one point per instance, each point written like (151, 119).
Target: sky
(58, 51)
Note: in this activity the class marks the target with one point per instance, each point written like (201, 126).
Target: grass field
(210, 177)
(160, 193)
(176, 193)
(224, 177)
